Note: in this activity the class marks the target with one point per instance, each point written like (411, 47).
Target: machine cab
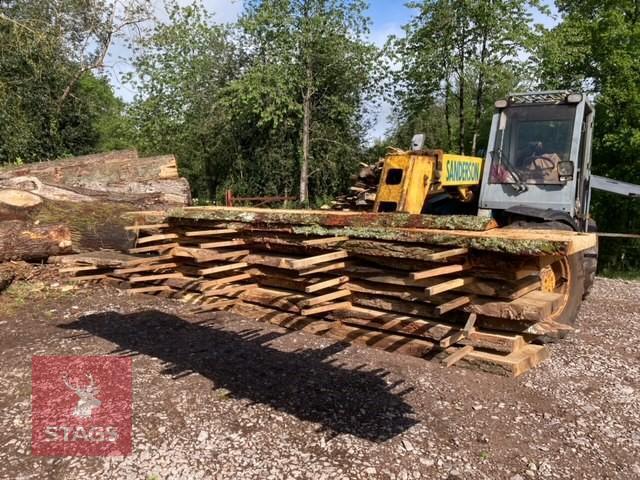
(538, 156)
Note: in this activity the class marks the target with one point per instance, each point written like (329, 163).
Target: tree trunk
(90, 194)
(447, 112)
(118, 172)
(306, 137)
(479, 96)
(26, 241)
(461, 112)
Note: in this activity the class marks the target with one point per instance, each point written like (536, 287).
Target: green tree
(596, 49)
(50, 86)
(310, 73)
(180, 71)
(456, 58)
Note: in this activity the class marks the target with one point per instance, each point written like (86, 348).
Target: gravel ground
(230, 398)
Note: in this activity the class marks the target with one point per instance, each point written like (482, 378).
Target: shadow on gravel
(305, 383)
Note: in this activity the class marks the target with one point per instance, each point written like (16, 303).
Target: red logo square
(81, 406)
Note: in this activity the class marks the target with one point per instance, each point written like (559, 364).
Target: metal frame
(562, 198)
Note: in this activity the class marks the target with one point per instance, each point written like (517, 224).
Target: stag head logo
(87, 394)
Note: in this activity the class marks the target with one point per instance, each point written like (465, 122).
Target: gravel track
(232, 399)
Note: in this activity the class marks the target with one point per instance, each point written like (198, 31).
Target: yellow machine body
(409, 178)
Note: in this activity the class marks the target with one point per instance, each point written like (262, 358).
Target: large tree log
(90, 194)
(25, 241)
(90, 171)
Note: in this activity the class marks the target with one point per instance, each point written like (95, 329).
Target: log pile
(465, 292)
(362, 193)
(82, 199)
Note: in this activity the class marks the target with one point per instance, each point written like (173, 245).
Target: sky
(387, 18)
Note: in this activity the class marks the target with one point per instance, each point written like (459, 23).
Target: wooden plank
(222, 268)
(153, 289)
(323, 269)
(324, 298)
(466, 332)
(428, 328)
(156, 226)
(326, 308)
(446, 254)
(332, 218)
(209, 307)
(224, 281)
(156, 238)
(333, 282)
(449, 285)
(471, 322)
(490, 288)
(280, 282)
(86, 278)
(453, 338)
(230, 290)
(453, 304)
(437, 272)
(208, 233)
(77, 269)
(145, 268)
(325, 241)
(200, 255)
(229, 243)
(305, 263)
(457, 356)
(512, 365)
(153, 248)
(151, 278)
(147, 260)
(416, 347)
(283, 319)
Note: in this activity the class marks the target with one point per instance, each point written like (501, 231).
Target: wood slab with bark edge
(264, 216)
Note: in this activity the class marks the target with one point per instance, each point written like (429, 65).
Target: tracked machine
(474, 261)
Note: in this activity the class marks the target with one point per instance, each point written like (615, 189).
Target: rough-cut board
(136, 228)
(457, 356)
(326, 308)
(500, 240)
(426, 328)
(309, 302)
(306, 263)
(145, 268)
(439, 271)
(263, 216)
(154, 248)
(513, 365)
(490, 288)
(209, 233)
(222, 268)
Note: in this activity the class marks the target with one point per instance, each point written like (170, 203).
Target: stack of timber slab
(453, 288)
